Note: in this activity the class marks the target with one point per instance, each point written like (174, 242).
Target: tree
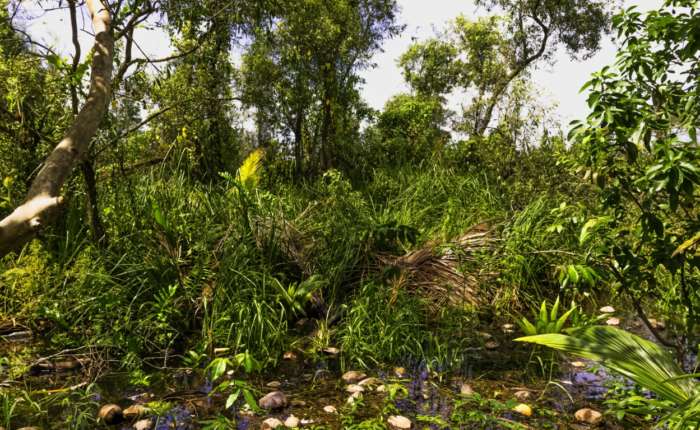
(411, 128)
(484, 57)
(639, 147)
(43, 198)
(301, 71)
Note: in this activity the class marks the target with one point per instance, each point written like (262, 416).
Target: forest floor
(500, 386)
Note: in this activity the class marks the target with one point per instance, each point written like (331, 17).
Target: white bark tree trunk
(43, 199)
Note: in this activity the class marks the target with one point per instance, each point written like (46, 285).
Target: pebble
(274, 384)
(589, 416)
(110, 414)
(508, 328)
(607, 310)
(330, 409)
(370, 382)
(523, 409)
(353, 397)
(297, 403)
(491, 345)
(466, 390)
(353, 376)
(273, 400)
(331, 350)
(578, 364)
(271, 424)
(144, 424)
(656, 324)
(353, 388)
(399, 422)
(135, 411)
(522, 395)
(613, 321)
(292, 422)
(380, 389)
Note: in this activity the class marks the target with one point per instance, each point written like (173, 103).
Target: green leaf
(555, 310)
(218, 367)
(527, 327)
(642, 361)
(232, 398)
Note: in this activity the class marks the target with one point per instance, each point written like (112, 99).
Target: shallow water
(186, 397)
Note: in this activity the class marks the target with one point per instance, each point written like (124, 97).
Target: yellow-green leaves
(249, 173)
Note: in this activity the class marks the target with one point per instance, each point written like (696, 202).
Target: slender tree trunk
(43, 199)
(91, 208)
(299, 144)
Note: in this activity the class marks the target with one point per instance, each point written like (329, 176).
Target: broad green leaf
(642, 361)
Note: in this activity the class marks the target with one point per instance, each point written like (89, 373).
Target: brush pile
(437, 270)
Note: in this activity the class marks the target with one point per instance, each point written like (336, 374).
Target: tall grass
(197, 266)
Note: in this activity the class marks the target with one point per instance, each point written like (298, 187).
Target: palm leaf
(249, 172)
(642, 361)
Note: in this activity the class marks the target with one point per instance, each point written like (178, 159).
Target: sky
(557, 84)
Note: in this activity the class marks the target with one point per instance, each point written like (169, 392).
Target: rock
(400, 372)
(297, 403)
(508, 328)
(399, 422)
(491, 345)
(274, 384)
(289, 355)
(271, 424)
(353, 376)
(656, 324)
(135, 411)
(589, 416)
(330, 409)
(380, 389)
(607, 310)
(353, 397)
(332, 351)
(613, 321)
(110, 414)
(370, 382)
(484, 335)
(466, 390)
(523, 409)
(353, 388)
(292, 422)
(144, 424)
(306, 421)
(273, 400)
(578, 364)
(522, 395)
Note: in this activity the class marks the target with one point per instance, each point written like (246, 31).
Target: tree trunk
(43, 199)
(298, 144)
(93, 212)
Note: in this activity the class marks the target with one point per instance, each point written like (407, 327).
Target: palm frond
(249, 172)
(644, 362)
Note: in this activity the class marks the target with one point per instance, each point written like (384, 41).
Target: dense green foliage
(261, 206)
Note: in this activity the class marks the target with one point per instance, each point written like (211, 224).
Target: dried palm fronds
(435, 272)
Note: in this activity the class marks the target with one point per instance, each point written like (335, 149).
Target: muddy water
(185, 397)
